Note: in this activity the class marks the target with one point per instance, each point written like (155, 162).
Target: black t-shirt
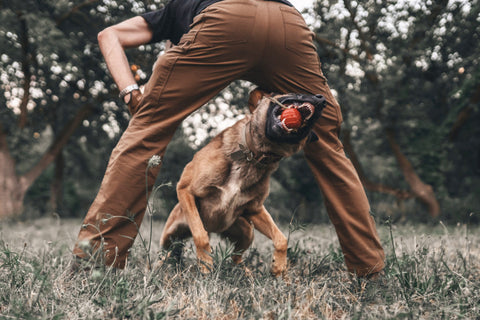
(172, 21)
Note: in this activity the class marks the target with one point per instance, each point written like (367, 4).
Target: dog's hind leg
(264, 223)
(241, 235)
(176, 229)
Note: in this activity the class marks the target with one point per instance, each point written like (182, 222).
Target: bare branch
(464, 114)
(66, 15)
(363, 38)
(28, 178)
(436, 10)
(329, 43)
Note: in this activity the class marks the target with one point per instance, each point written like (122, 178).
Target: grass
(432, 273)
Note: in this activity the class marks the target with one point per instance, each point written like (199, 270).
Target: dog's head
(269, 122)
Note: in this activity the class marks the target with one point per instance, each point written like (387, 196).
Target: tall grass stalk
(396, 263)
(153, 162)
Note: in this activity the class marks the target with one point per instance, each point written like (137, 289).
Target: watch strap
(127, 90)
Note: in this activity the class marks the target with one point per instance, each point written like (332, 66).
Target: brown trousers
(264, 42)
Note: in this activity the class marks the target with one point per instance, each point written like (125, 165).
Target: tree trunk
(367, 183)
(421, 190)
(56, 188)
(27, 75)
(13, 187)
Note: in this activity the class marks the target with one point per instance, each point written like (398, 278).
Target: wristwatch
(127, 90)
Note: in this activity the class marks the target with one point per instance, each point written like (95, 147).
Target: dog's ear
(312, 137)
(255, 96)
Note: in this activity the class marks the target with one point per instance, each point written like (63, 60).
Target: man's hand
(133, 100)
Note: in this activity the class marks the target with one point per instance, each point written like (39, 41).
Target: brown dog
(223, 188)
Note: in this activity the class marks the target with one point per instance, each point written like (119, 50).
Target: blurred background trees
(405, 72)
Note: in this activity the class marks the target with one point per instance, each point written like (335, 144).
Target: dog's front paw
(279, 265)
(205, 267)
(205, 262)
(159, 264)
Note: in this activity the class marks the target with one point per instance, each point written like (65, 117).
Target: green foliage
(410, 68)
(52, 46)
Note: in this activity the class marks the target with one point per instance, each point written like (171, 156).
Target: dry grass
(435, 274)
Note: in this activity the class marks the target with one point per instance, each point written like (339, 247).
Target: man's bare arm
(115, 39)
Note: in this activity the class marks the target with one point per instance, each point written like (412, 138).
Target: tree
(53, 77)
(395, 68)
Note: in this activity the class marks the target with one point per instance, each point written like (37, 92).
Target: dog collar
(246, 151)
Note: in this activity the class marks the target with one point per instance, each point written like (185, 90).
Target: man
(216, 42)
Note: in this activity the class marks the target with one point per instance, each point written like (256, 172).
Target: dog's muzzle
(310, 108)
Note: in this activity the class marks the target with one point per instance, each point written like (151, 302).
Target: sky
(302, 4)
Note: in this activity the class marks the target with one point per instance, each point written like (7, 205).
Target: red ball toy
(291, 118)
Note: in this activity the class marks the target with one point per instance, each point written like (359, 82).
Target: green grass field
(432, 273)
